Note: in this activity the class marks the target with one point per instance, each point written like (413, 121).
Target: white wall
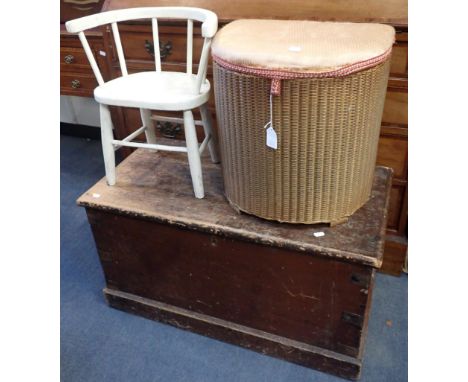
(79, 110)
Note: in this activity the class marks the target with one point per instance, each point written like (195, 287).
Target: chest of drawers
(76, 75)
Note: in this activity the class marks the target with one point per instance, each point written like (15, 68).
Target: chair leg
(208, 127)
(149, 124)
(193, 154)
(107, 147)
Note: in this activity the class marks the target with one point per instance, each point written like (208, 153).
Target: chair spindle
(157, 53)
(118, 45)
(189, 45)
(202, 67)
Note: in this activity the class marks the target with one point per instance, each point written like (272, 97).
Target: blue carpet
(101, 344)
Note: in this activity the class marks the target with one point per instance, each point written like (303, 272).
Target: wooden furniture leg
(193, 154)
(107, 147)
(149, 125)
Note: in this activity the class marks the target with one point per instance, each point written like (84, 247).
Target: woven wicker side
(328, 131)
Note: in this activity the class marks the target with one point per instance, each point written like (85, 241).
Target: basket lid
(325, 48)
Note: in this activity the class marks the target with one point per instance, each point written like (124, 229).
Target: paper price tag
(294, 48)
(271, 138)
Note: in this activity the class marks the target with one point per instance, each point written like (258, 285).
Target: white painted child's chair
(155, 90)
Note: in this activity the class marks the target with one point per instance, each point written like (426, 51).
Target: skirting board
(250, 338)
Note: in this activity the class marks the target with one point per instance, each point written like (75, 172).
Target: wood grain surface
(390, 11)
(157, 186)
(201, 266)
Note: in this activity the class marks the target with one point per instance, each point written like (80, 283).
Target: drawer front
(396, 208)
(76, 76)
(74, 60)
(72, 9)
(392, 152)
(396, 108)
(137, 42)
(78, 84)
(399, 61)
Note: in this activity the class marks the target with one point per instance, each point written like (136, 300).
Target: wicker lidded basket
(319, 87)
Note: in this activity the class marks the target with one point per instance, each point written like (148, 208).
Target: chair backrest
(209, 27)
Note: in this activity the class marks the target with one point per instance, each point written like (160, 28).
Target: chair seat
(153, 90)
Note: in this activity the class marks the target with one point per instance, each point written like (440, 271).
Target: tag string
(270, 122)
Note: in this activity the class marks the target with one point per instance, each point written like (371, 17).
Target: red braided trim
(284, 75)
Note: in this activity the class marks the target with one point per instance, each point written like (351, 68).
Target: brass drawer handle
(169, 130)
(81, 2)
(76, 84)
(164, 48)
(69, 59)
